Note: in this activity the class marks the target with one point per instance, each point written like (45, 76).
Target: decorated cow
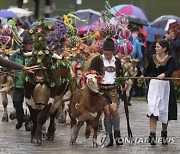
(86, 105)
(6, 80)
(45, 88)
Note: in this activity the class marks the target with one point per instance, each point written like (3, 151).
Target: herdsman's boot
(164, 137)
(117, 137)
(152, 138)
(110, 141)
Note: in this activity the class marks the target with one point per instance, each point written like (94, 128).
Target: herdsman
(109, 67)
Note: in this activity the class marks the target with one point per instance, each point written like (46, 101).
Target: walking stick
(124, 97)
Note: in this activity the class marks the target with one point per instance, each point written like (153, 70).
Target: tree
(19, 3)
(47, 8)
(36, 12)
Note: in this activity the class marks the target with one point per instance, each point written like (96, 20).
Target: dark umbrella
(89, 15)
(162, 21)
(137, 21)
(7, 14)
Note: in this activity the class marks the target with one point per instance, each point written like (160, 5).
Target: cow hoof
(72, 142)
(44, 134)
(50, 138)
(95, 145)
(5, 118)
(37, 141)
(12, 116)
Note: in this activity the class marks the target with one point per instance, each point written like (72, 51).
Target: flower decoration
(56, 38)
(100, 78)
(126, 49)
(125, 34)
(6, 38)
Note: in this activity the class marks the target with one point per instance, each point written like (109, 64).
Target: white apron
(158, 99)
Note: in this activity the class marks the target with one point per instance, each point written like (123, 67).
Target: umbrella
(164, 21)
(152, 31)
(130, 10)
(50, 21)
(20, 12)
(7, 14)
(137, 20)
(89, 15)
(87, 28)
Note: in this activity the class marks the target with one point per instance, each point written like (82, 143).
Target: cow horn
(28, 54)
(57, 56)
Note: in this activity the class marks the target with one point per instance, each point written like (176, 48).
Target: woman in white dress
(161, 99)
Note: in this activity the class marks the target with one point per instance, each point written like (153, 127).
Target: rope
(147, 78)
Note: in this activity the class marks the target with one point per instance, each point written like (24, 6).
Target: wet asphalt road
(14, 141)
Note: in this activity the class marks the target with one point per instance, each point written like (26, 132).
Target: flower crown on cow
(100, 78)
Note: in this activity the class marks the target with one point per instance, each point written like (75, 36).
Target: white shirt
(20, 31)
(109, 77)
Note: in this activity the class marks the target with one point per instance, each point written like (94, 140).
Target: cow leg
(95, 125)
(61, 116)
(51, 128)
(4, 103)
(41, 119)
(88, 129)
(12, 115)
(34, 114)
(75, 131)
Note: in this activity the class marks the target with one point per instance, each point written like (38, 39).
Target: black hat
(109, 44)
(27, 39)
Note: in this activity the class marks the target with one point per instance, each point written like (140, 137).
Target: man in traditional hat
(109, 67)
(18, 97)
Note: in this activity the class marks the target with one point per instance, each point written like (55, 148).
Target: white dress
(158, 99)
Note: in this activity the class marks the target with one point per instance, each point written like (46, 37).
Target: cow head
(92, 80)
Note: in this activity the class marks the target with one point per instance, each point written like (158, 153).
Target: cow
(6, 88)
(86, 105)
(43, 90)
(129, 70)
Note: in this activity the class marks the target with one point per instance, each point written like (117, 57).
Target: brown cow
(86, 105)
(6, 88)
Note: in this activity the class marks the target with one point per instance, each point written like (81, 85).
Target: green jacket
(20, 59)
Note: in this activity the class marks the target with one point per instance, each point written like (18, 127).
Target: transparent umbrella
(89, 15)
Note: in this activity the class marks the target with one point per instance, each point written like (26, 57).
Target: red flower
(39, 30)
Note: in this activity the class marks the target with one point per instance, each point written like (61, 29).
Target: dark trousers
(18, 99)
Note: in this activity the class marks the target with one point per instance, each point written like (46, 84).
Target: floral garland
(100, 78)
(42, 34)
(48, 81)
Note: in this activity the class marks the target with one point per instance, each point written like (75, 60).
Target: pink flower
(39, 30)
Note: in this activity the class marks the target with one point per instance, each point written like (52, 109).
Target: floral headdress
(100, 78)
(6, 38)
(56, 38)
